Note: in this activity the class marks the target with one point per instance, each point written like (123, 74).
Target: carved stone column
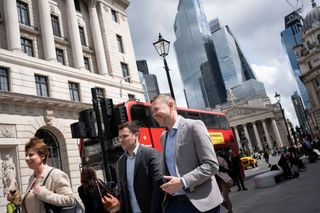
(46, 31)
(97, 38)
(248, 138)
(12, 25)
(74, 35)
(266, 132)
(237, 136)
(276, 131)
(256, 133)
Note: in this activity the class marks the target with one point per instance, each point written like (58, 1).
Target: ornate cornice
(122, 3)
(50, 103)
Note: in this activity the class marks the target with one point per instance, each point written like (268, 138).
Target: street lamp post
(278, 97)
(162, 47)
(123, 79)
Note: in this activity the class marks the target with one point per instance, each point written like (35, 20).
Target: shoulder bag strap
(98, 188)
(45, 180)
(102, 184)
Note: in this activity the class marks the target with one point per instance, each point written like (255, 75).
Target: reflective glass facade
(192, 47)
(290, 38)
(298, 107)
(248, 89)
(149, 81)
(234, 66)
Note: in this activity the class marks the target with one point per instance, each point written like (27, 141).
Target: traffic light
(298, 130)
(85, 128)
(87, 116)
(110, 125)
(120, 114)
(78, 130)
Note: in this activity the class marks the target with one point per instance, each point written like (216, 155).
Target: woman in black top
(89, 193)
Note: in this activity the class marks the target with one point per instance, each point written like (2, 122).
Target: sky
(256, 24)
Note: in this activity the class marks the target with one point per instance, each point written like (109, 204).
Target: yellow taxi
(248, 162)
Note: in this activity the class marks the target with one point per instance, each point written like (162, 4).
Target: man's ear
(136, 134)
(170, 104)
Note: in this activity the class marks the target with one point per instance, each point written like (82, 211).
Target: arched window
(51, 141)
(309, 45)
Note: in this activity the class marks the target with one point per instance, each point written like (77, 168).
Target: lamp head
(162, 46)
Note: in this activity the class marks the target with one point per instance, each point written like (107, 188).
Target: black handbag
(75, 208)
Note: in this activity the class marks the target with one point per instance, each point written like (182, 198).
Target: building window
(77, 5)
(131, 96)
(125, 72)
(55, 25)
(114, 15)
(41, 85)
(26, 46)
(309, 65)
(318, 37)
(316, 83)
(86, 63)
(309, 45)
(74, 91)
(82, 36)
(4, 79)
(23, 13)
(60, 56)
(100, 92)
(120, 44)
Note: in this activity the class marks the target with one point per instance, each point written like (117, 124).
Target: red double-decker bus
(216, 122)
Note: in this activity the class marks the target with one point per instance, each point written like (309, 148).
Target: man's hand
(173, 185)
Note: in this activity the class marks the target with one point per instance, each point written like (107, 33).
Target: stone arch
(58, 158)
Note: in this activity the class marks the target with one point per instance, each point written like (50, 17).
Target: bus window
(142, 115)
(193, 115)
(223, 122)
(211, 121)
(182, 113)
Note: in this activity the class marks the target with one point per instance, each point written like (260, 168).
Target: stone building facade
(257, 124)
(52, 52)
(308, 56)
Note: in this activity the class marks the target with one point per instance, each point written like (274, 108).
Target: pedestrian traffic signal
(121, 114)
(78, 130)
(109, 121)
(86, 127)
(87, 116)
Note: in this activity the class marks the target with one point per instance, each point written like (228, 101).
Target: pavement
(300, 195)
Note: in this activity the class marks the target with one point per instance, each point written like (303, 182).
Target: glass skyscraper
(149, 81)
(197, 60)
(234, 66)
(290, 38)
(237, 74)
(298, 107)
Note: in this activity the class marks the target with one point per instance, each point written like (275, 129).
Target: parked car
(248, 162)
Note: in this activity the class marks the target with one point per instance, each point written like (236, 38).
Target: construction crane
(297, 7)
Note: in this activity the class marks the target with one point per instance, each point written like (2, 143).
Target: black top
(91, 199)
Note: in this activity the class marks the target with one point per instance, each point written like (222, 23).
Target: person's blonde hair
(14, 197)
